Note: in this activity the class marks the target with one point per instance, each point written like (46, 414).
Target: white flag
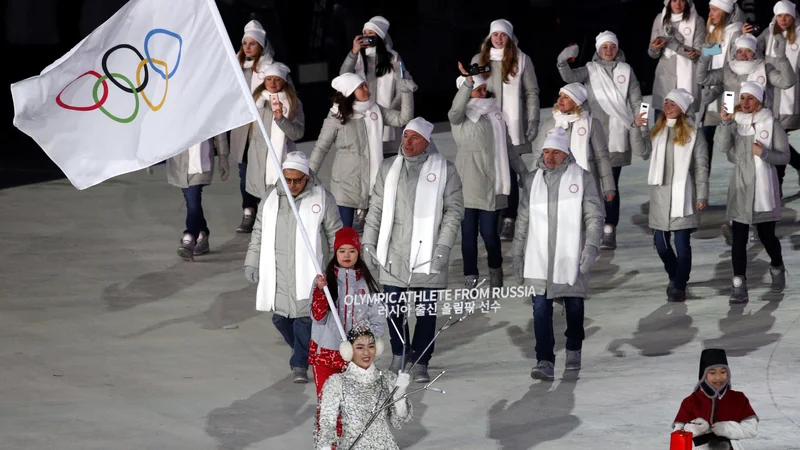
(156, 78)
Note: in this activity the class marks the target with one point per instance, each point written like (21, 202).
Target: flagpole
(254, 110)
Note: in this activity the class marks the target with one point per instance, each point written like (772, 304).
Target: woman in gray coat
(191, 171)
(355, 127)
(677, 35)
(483, 158)
(678, 180)
(756, 143)
(615, 98)
(282, 113)
(512, 81)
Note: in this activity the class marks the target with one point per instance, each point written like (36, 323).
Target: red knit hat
(349, 236)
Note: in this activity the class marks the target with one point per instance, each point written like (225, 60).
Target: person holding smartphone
(282, 113)
(676, 38)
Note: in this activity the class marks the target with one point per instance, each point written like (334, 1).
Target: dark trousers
(195, 219)
(794, 161)
(543, 326)
(513, 197)
(741, 235)
(348, 215)
(485, 222)
(297, 333)
(248, 200)
(677, 259)
(424, 330)
(708, 133)
(612, 207)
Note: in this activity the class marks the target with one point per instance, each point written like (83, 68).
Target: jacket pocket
(346, 165)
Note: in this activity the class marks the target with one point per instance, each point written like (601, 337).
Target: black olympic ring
(114, 80)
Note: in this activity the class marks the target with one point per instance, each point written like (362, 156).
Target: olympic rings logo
(128, 87)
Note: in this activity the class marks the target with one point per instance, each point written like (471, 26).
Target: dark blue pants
(424, 330)
(297, 333)
(678, 258)
(348, 215)
(741, 236)
(248, 200)
(612, 207)
(513, 197)
(543, 326)
(485, 222)
(708, 133)
(195, 219)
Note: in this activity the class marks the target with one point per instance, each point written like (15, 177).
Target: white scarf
(312, 211)
(477, 107)
(373, 122)
(718, 61)
(570, 228)
(612, 95)
(684, 65)
(579, 136)
(511, 96)
(276, 135)
(760, 126)
(792, 52)
(201, 157)
(756, 70)
(427, 211)
(386, 88)
(681, 197)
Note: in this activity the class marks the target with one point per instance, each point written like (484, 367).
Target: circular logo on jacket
(431, 177)
(761, 80)
(687, 31)
(737, 282)
(498, 116)
(373, 115)
(621, 79)
(795, 47)
(581, 131)
(315, 208)
(764, 134)
(573, 188)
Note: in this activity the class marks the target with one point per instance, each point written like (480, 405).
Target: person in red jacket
(715, 414)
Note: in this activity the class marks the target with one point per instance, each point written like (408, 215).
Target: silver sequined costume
(354, 394)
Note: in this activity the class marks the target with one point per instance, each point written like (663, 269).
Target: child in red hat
(350, 283)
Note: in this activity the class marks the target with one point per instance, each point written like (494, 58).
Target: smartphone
(714, 50)
(645, 108)
(729, 101)
(368, 40)
(402, 70)
(273, 99)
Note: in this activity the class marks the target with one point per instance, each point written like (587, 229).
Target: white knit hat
(347, 83)
(785, 7)
(477, 81)
(254, 30)
(557, 139)
(296, 161)
(275, 69)
(747, 41)
(752, 88)
(502, 25)
(576, 92)
(682, 98)
(725, 5)
(421, 126)
(379, 25)
(605, 36)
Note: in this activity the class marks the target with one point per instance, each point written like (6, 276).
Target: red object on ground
(680, 440)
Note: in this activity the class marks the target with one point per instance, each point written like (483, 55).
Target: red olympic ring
(84, 108)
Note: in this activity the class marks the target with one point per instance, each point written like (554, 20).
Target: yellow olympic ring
(166, 85)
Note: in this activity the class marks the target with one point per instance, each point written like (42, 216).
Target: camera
(756, 28)
(475, 69)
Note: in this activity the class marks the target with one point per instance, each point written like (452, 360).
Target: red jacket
(732, 407)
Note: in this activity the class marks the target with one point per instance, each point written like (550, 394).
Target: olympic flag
(156, 78)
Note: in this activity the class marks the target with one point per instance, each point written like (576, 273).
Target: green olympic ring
(105, 111)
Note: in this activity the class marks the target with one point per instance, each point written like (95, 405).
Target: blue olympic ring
(147, 50)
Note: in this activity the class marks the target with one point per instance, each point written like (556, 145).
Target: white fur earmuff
(378, 347)
(346, 351)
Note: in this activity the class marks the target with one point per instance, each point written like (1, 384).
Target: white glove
(700, 425)
(568, 53)
(251, 274)
(588, 257)
(403, 380)
(440, 264)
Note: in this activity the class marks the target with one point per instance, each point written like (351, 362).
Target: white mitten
(700, 425)
(403, 379)
(568, 53)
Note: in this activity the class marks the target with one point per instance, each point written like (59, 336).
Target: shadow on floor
(659, 333)
(744, 333)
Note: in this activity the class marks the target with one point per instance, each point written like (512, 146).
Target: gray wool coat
(666, 78)
(592, 227)
(789, 122)
(529, 96)
(713, 94)
(634, 96)
(258, 152)
(286, 303)
(178, 166)
(350, 172)
(400, 240)
(742, 184)
(475, 160)
(599, 163)
(661, 196)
